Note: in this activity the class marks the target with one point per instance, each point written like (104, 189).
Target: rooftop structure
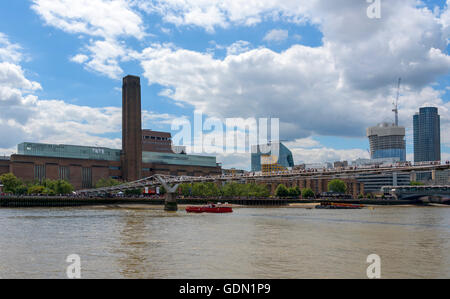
(68, 151)
(178, 159)
(155, 141)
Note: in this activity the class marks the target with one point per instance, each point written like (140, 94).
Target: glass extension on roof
(68, 151)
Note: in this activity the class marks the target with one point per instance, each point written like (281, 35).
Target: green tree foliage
(308, 193)
(57, 187)
(51, 187)
(281, 191)
(205, 190)
(294, 192)
(417, 184)
(232, 189)
(110, 182)
(10, 182)
(48, 187)
(185, 189)
(21, 190)
(36, 189)
(229, 190)
(337, 185)
(255, 190)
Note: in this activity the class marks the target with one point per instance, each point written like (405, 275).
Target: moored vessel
(333, 205)
(210, 208)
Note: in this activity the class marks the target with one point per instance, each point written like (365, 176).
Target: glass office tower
(427, 135)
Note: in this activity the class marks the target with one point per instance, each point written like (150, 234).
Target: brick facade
(24, 167)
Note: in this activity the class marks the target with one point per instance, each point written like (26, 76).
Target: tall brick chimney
(131, 129)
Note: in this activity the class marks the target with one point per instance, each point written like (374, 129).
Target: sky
(324, 68)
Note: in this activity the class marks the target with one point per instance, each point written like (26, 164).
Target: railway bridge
(433, 194)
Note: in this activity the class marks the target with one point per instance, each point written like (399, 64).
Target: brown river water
(146, 242)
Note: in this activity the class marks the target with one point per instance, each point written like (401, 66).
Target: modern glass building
(273, 156)
(387, 141)
(427, 135)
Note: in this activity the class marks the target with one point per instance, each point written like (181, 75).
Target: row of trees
(244, 190)
(14, 185)
(232, 189)
(283, 191)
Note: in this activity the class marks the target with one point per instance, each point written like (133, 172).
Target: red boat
(210, 208)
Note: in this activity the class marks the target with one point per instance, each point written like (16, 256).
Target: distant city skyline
(61, 64)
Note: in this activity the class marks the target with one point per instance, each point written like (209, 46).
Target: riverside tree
(337, 186)
(281, 191)
(10, 183)
(308, 193)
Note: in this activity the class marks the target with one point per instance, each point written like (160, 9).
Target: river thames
(146, 242)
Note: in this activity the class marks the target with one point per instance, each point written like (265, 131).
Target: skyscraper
(387, 141)
(427, 135)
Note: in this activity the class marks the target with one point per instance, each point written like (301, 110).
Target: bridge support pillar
(171, 203)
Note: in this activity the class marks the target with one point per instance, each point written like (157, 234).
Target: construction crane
(395, 110)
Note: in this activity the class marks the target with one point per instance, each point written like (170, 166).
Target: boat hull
(214, 210)
(339, 206)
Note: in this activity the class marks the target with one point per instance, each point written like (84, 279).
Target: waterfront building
(427, 135)
(387, 141)
(143, 153)
(432, 177)
(374, 182)
(271, 157)
(442, 177)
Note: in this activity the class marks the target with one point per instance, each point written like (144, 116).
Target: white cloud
(11, 75)
(106, 21)
(324, 154)
(9, 52)
(210, 14)
(80, 58)
(238, 47)
(276, 35)
(336, 89)
(101, 18)
(105, 57)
